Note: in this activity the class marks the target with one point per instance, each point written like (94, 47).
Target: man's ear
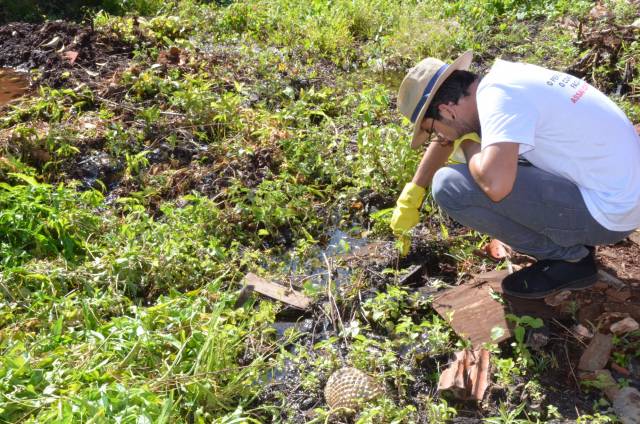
(447, 111)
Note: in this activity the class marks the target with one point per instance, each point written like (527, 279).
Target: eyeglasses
(430, 132)
(433, 135)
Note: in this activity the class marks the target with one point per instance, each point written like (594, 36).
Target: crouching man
(557, 170)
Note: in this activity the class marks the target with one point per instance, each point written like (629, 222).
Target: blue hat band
(427, 92)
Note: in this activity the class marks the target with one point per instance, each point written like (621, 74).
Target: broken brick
(596, 356)
(607, 318)
(620, 370)
(625, 325)
(467, 377)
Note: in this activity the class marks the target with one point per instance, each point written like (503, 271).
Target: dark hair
(453, 89)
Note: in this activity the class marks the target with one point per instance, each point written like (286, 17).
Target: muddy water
(12, 85)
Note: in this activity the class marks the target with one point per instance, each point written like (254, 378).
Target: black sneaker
(548, 276)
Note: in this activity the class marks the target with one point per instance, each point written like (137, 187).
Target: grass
(278, 126)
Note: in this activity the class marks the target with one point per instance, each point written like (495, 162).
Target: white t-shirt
(568, 128)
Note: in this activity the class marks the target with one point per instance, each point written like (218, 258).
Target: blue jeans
(544, 215)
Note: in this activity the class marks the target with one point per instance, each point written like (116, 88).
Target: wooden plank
(277, 291)
(474, 312)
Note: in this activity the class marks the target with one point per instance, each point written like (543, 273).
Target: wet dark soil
(63, 53)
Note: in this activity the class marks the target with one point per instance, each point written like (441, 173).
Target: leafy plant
(507, 415)
(38, 220)
(439, 411)
(136, 162)
(520, 325)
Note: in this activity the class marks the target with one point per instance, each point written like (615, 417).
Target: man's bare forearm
(494, 169)
(433, 159)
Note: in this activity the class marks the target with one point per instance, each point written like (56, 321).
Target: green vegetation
(39, 10)
(239, 137)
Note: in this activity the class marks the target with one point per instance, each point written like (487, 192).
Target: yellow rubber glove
(406, 215)
(457, 156)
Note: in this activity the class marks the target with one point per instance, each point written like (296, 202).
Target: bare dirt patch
(12, 85)
(62, 53)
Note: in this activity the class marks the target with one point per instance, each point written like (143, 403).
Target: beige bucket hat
(420, 85)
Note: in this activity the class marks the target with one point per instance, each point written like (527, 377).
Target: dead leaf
(70, 55)
(603, 380)
(357, 205)
(607, 318)
(174, 52)
(173, 56)
(620, 370)
(13, 85)
(40, 155)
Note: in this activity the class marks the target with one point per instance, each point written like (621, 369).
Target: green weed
(39, 220)
(519, 331)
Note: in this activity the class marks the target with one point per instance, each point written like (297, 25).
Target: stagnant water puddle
(13, 85)
(329, 264)
(341, 243)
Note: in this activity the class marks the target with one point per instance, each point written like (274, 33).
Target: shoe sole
(576, 285)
